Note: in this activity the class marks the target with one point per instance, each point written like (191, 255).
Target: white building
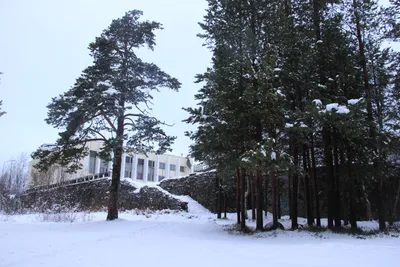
(150, 168)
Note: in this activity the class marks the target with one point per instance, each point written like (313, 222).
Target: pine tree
(110, 103)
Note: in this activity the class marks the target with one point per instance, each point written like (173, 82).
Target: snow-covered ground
(178, 239)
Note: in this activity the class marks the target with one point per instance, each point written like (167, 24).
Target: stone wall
(201, 187)
(93, 196)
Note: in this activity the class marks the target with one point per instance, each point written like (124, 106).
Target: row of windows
(129, 161)
(151, 164)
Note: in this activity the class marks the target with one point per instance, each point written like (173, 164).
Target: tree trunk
(338, 221)
(247, 194)
(266, 194)
(295, 189)
(389, 198)
(278, 198)
(345, 189)
(367, 202)
(259, 201)
(329, 174)
(218, 200)
(381, 207)
(116, 174)
(396, 201)
(370, 116)
(290, 184)
(352, 192)
(314, 177)
(321, 64)
(307, 186)
(273, 199)
(238, 194)
(225, 206)
(243, 208)
(253, 199)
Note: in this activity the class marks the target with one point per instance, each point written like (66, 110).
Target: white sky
(43, 49)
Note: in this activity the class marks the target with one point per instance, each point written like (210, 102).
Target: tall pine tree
(110, 103)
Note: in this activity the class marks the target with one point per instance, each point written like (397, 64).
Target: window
(103, 167)
(182, 169)
(140, 169)
(92, 161)
(128, 159)
(172, 167)
(162, 166)
(128, 167)
(160, 178)
(150, 175)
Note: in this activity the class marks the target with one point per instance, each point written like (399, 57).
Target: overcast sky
(43, 49)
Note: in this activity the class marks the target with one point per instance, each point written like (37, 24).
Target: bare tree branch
(130, 120)
(95, 131)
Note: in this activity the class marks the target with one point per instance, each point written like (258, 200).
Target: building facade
(150, 168)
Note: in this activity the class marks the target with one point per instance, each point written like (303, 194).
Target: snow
(277, 69)
(111, 91)
(339, 109)
(302, 125)
(203, 117)
(105, 83)
(181, 239)
(289, 125)
(319, 42)
(317, 102)
(273, 155)
(353, 101)
(246, 159)
(48, 147)
(247, 76)
(279, 92)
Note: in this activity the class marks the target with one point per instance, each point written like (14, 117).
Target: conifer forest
(302, 103)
